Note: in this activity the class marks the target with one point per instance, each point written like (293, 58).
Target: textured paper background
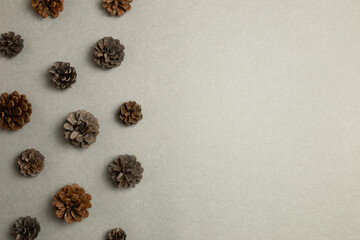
(251, 119)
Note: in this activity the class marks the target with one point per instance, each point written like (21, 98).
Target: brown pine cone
(117, 7)
(116, 234)
(108, 52)
(81, 128)
(48, 7)
(11, 44)
(26, 228)
(130, 113)
(15, 111)
(125, 171)
(30, 162)
(71, 203)
(62, 75)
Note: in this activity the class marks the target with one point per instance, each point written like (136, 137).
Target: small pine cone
(130, 113)
(30, 162)
(15, 111)
(81, 128)
(11, 44)
(48, 7)
(116, 234)
(125, 171)
(71, 202)
(62, 75)
(117, 7)
(108, 52)
(26, 228)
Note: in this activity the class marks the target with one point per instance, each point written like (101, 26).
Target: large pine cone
(26, 228)
(62, 75)
(130, 113)
(11, 44)
(30, 162)
(81, 128)
(108, 52)
(125, 171)
(15, 111)
(117, 7)
(48, 7)
(71, 203)
(116, 234)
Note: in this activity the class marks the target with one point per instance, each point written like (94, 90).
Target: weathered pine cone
(81, 128)
(130, 113)
(116, 234)
(117, 7)
(62, 75)
(125, 171)
(30, 162)
(48, 7)
(108, 52)
(11, 44)
(26, 228)
(71, 202)
(15, 111)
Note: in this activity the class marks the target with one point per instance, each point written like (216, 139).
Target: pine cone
(30, 162)
(11, 44)
(48, 7)
(15, 111)
(116, 234)
(81, 128)
(125, 171)
(117, 7)
(130, 113)
(62, 75)
(108, 52)
(71, 203)
(26, 228)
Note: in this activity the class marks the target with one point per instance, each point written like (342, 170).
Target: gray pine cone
(81, 128)
(11, 44)
(116, 234)
(108, 52)
(125, 171)
(26, 228)
(30, 162)
(62, 75)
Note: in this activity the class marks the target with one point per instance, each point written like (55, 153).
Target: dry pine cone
(30, 162)
(11, 44)
(81, 128)
(125, 171)
(117, 7)
(26, 228)
(108, 52)
(71, 203)
(62, 75)
(130, 113)
(15, 111)
(48, 7)
(116, 234)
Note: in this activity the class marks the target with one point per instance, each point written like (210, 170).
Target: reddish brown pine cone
(30, 162)
(130, 113)
(48, 7)
(71, 203)
(117, 7)
(15, 111)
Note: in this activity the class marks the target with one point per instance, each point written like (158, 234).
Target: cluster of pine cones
(52, 8)
(71, 203)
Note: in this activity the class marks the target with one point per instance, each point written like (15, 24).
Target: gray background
(251, 119)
